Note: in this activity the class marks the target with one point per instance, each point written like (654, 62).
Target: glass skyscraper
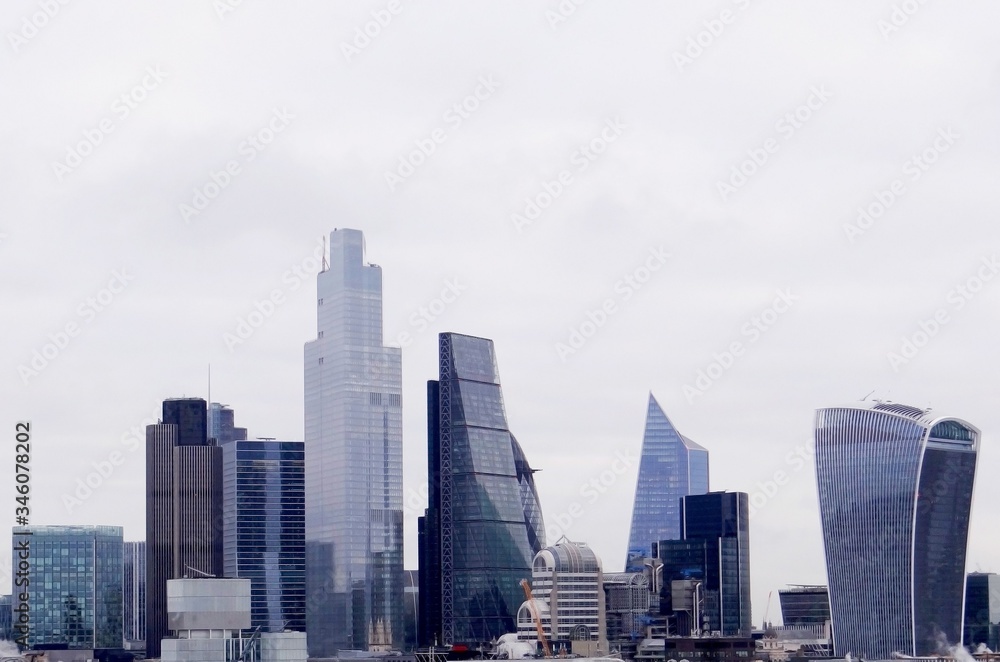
(264, 534)
(135, 593)
(75, 591)
(671, 466)
(354, 474)
(895, 491)
(982, 610)
(715, 551)
(479, 533)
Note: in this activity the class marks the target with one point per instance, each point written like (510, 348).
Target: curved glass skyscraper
(895, 491)
(483, 524)
(671, 466)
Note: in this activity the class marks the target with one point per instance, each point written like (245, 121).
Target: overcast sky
(698, 170)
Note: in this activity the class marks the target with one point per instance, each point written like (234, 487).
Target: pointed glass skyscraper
(671, 466)
(354, 461)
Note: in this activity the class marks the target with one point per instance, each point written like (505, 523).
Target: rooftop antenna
(869, 393)
(209, 385)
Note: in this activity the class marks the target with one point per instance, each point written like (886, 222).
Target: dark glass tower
(671, 466)
(264, 499)
(895, 492)
(715, 528)
(805, 605)
(475, 544)
(982, 610)
(183, 507)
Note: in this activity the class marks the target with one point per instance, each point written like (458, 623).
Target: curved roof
(570, 557)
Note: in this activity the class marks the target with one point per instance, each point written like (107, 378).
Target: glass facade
(715, 551)
(476, 540)
(354, 474)
(264, 503)
(895, 492)
(982, 610)
(671, 466)
(804, 605)
(75, 589)
(135, 591)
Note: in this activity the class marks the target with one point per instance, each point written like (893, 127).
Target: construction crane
(538, 617)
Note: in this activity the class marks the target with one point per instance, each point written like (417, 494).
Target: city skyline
(640, 266)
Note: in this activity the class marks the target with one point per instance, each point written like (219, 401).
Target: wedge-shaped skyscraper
(671, 466)
(895, 491)
(483, 523)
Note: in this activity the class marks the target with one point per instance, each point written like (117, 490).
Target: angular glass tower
(135, 593)
(671, 466)
(482, 522)
(895, 491)
(354, 467)
(264, 503)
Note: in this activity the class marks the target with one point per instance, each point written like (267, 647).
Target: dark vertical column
(160, 442)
